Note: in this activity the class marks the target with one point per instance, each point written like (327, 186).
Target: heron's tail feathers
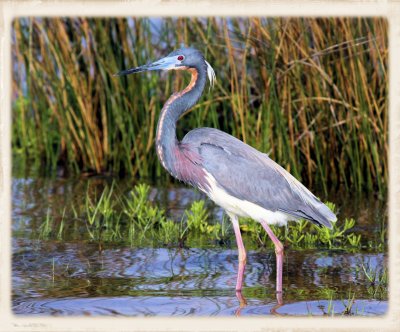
(325, 215)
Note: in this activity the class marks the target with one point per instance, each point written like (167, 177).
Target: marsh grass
(109, 215)
(46, 228)
(349, 307)
(311, 92)
(374, 275)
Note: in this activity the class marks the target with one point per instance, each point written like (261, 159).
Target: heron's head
(180, 59)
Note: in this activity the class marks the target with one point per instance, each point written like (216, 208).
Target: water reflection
(76, 278)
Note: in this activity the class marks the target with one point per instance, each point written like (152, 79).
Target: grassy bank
(311, 92)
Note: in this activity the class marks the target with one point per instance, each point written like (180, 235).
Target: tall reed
(311, 92)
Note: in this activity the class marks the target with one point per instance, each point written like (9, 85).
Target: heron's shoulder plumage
(251, 175)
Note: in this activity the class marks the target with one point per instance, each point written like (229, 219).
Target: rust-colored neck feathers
(168, 148)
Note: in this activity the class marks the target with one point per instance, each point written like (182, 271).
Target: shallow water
(78, 277)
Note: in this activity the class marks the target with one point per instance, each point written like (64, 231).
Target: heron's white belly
(244, 208)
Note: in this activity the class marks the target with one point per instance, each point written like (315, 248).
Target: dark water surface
(75, 276)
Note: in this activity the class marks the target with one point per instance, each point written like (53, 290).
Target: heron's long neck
(176, 105)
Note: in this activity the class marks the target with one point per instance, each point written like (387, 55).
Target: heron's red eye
(181, 57)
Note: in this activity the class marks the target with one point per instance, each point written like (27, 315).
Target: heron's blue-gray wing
(250, 175)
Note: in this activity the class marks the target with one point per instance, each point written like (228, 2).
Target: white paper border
(12, 9)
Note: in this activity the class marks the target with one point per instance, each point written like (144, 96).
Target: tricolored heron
(237, 177)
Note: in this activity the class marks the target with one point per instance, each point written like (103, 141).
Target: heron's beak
(166, 63)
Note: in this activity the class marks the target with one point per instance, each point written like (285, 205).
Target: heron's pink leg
(279, 255)
(242, 252)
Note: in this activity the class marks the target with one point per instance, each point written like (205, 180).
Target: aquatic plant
(46, 228)
(103, 219)
(108, 214)
(139, 209)
(197, 218)
(61, 227)
(221, 232)
(330, 236)
(354, 240)
(331, 296)
(102, 208)
(375, 275)
(169, 231)
(348, 304)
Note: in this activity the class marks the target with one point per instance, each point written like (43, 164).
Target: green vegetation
(112, 216)
(311, 92)
(376, 276)
(307, 235)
